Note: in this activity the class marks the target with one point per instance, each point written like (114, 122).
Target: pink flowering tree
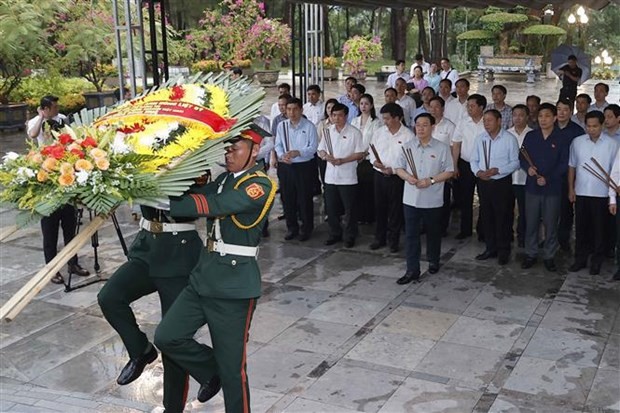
(267, 40)
(358, 50)
(223, 29)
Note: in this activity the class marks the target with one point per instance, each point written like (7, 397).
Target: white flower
(147, 140)
(118, 145)
(10, 156)
(81, 177)
(25, 172)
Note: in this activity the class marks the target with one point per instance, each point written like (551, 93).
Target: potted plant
(357, 51)
(24, 46)
(267, 40)
(330, 67)
(86, 45)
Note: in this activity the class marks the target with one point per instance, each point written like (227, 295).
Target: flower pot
(100, 99)
(267, 77)
(330, 74)
(13, 116)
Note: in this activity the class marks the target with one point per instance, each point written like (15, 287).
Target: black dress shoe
(577, 266)
(408, 277)
(550, 265)
(350, 243)
(78, 270)
(616, 276)
(433, 268)
(207, 391)
(503, 260)
(595, 269)
(290, 235)
(57, 279)
(376, 245)
(486, 255)
(332, 241)
(134, 368)
(304, 237)
(461, 236)
(528, 262)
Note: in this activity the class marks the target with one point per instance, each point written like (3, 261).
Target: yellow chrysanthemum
(219, 100)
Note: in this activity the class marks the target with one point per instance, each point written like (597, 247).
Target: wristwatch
(432, 181)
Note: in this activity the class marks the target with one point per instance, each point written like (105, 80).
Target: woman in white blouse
(367, 122)
(320, 129)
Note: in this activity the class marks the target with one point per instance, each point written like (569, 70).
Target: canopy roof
(451, 4)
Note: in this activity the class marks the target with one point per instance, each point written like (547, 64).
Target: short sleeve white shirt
(344, 143)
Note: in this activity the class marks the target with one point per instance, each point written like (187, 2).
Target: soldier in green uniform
(225, 284)
(160, 259)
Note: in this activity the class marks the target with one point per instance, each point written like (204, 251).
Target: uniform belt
(223, 248)
(158, 227)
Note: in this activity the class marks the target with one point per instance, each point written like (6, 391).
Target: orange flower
(66, 168)
(50, 164)
(83, 165)
(37, 158)
(98, 153)
(66, 179)
(102, 164)
(42, 175)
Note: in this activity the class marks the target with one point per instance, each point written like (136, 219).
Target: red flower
(55, 151)
(127, 129)
(78, 152)
(89, 142)
(65, 138)
(177, 92)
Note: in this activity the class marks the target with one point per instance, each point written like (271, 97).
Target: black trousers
(519, 192)
(297, 185)
(67, 219)
(617, 232)
(496, 200)
(445, 209)
(388, 208)
(465, 187)
(341, 198)
(591, 220)
(567, 215)
(414, 219)
(365, 192)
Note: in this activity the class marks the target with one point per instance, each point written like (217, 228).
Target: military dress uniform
(160, 259)
(223, 286)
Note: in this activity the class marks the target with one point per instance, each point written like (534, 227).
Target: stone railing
(489, 65)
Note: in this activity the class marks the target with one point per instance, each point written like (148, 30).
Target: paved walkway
(333, 332)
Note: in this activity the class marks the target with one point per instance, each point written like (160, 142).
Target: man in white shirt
(419, 61)
(457, 108)
(520, 118)
(399, 74)
(314, 108)
(428, 167)
(405, 101)
(614, 200)
(40, 128)
(463, 141)
(341, 147)
(443, 132)
(445, 90)
(601, 90)
(589, 194)
(447, 72)
(388, 141)
(582, 105)
(283, 89)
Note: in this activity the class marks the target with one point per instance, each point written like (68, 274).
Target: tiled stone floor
(333, 333)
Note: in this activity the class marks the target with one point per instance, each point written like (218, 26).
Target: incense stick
(375, 153)
(611, 182)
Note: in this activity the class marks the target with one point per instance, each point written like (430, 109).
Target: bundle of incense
(328, 141)
(375, 153)
(487, 154)
(409, 157)
(603, 175)
(528, 159)
(287, 139)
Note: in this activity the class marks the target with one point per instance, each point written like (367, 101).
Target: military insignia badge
(254, 191)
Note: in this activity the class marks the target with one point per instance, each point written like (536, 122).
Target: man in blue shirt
(296, 144)
(590, 194)
(495, 157)
(543, 187)
(569, 130)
